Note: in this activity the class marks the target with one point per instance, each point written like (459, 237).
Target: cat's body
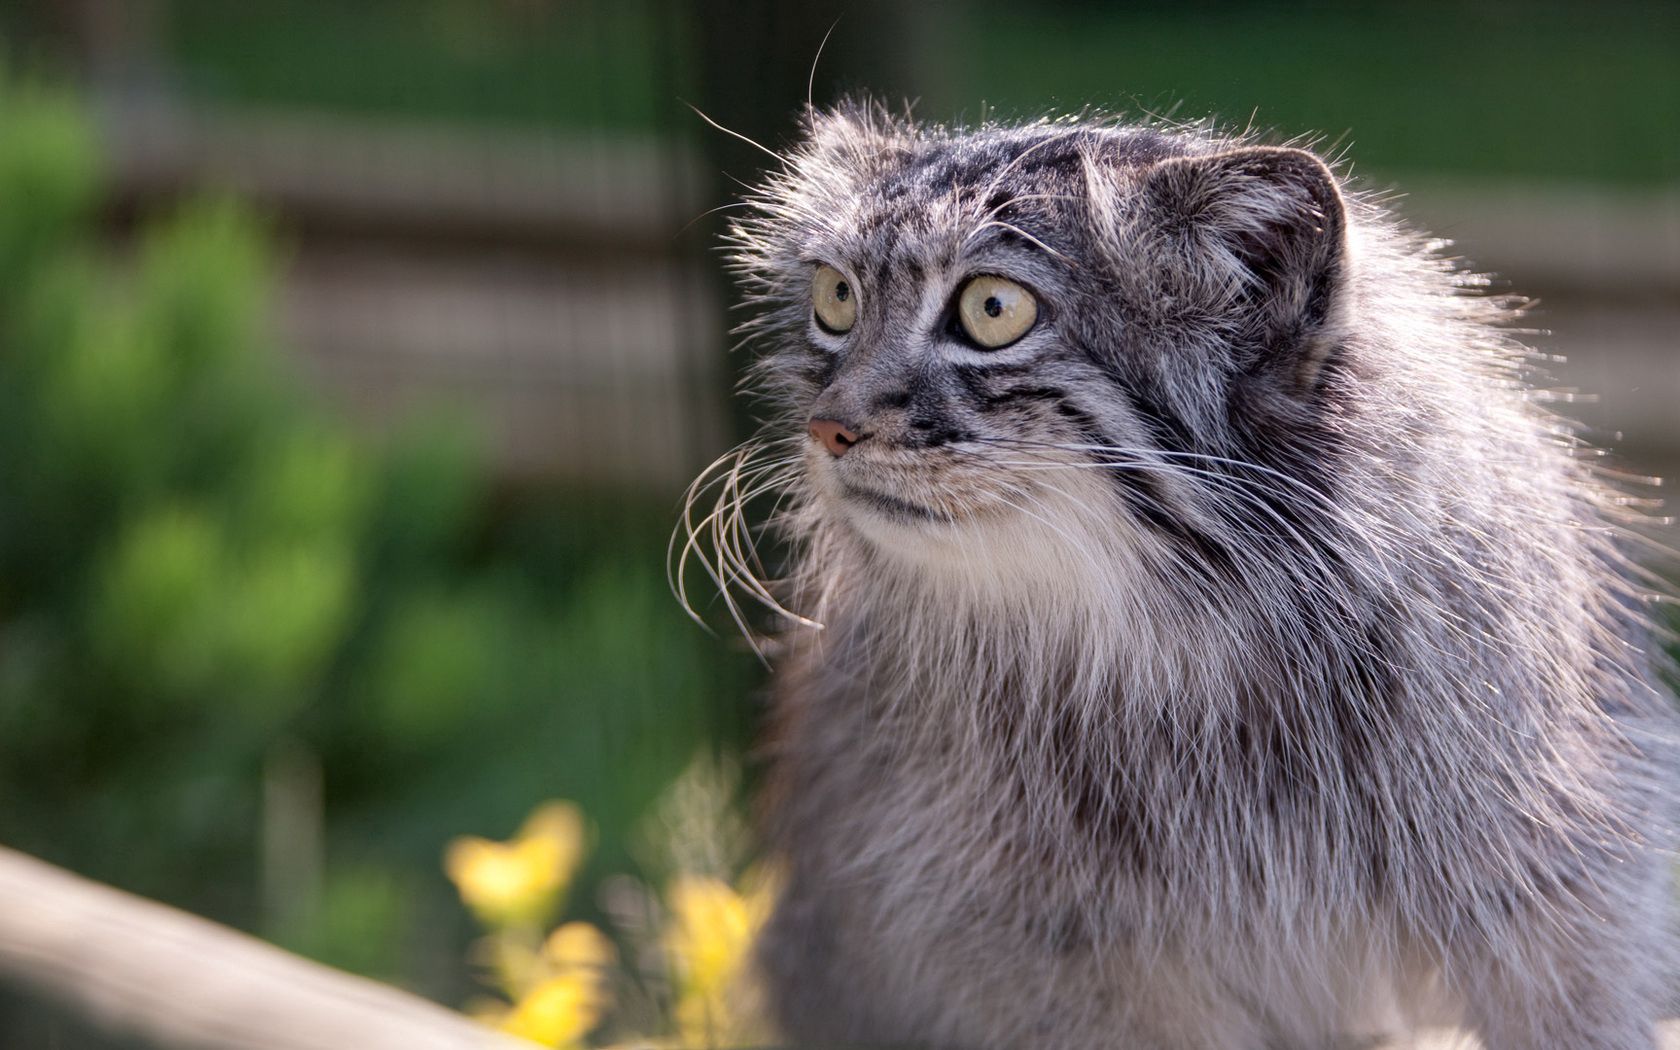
(1237, 659)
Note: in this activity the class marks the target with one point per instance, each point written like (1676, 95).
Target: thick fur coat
(1243, 658)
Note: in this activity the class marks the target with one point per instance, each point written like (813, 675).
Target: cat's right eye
(835, 300)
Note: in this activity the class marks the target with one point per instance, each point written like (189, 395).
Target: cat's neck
(1085, 633)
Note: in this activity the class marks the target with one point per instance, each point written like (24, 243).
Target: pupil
(993, 306)
(842, 291)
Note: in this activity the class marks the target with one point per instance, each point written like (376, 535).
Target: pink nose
(834, 436)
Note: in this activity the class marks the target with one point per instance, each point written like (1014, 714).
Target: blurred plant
(694, 942)
(180, 539)
(517, 885)
(559, 985)
(202, 568)
(708, 940)
(706, 921)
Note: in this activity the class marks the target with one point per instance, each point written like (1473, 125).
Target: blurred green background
(353, 358)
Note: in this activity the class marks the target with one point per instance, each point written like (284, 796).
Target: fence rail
(186, 983)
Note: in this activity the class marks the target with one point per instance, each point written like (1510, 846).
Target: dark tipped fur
(1241, 659)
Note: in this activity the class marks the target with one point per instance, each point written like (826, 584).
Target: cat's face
(968, 332)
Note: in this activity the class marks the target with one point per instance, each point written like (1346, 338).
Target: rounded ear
(1267, 227)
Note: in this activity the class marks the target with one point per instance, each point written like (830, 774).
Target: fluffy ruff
(1246, 659)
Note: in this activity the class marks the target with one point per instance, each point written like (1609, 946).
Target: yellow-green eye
(995, 312)
(835, 299)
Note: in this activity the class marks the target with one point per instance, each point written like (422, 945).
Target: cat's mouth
(895, 507)
(903, 487)
(958, 510)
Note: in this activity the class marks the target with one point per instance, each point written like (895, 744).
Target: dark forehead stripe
(1018, 154)
(885, 249)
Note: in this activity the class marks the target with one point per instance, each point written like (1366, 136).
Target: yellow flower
(559, 822)
(709, 940)
(578, 945)
(558, 1012)
(710, 931)
(519, 882)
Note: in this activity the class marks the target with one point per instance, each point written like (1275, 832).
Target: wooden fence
(549, 283)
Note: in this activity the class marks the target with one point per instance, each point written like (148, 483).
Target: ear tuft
(1266, 229)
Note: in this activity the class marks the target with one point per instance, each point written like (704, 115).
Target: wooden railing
(185, 983)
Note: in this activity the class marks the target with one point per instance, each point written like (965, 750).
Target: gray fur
(1246, 658)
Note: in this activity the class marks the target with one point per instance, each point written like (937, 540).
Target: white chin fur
(1070, 544)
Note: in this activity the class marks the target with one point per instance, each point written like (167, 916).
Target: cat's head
(987, 346)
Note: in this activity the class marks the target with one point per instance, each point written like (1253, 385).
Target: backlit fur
(1246, 658)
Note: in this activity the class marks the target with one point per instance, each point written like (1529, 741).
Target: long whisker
(811, 81)
(736, 134)
(733, 564)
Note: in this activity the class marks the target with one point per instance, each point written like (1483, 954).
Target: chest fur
(1066, 817)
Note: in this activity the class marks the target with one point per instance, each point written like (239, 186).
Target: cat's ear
(1265, 229)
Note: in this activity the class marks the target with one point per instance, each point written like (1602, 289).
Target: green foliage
(56, 174)
(572, 65)
(1493, 89)
(200, 569)
(359, 923)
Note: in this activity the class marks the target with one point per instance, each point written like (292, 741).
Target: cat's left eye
(995, 311)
